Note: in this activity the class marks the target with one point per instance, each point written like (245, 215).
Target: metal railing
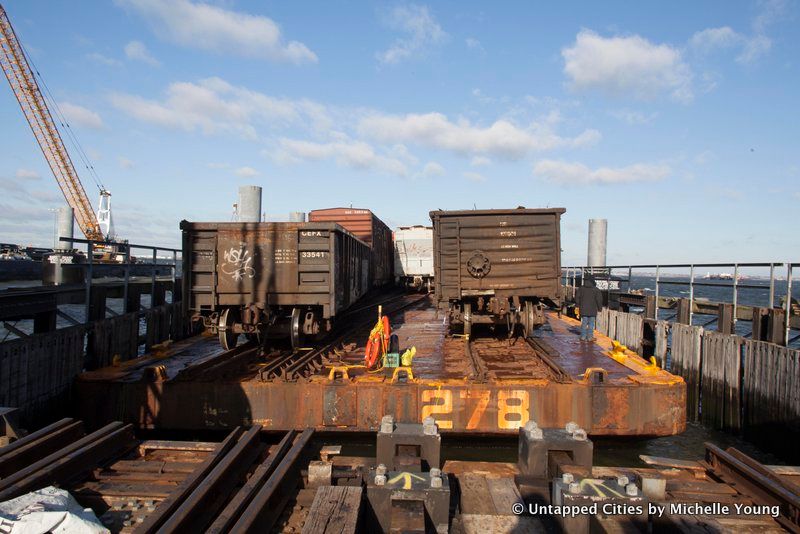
(92, 245)
(571, 273)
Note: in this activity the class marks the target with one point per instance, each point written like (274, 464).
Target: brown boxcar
(271, 279)
(497, 266)
(371, 230)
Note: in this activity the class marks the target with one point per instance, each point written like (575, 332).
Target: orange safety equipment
(378, 342)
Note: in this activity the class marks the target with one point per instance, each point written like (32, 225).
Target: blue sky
(678, 122)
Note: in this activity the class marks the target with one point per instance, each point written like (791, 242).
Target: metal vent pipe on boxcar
(497, 266)
(249, 206)
(598, 233)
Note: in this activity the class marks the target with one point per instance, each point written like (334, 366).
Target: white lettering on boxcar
(238, 263)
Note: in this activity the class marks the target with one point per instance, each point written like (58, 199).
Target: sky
(676, 121)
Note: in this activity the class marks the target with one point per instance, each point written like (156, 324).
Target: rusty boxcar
(366, 226)
(271, 279)
(497, 266)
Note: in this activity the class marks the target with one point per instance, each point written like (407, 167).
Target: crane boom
(23, 83)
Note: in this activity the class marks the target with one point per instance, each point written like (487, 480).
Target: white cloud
(138, 51)
(212, 28)
(480, 161)
(474, 44)
(432, 170)
(474, 176)
(27, 174)
(345, 151)
(502, 138)
(728, 193)
(627, 65)
(771, 12)
(80, 115)
(750, 48)
(125, 163)
(633, 117)
(754, 48)
(562, 172)
(103, 60)
(246, 172)
(421, 29)
(712, 38)
(213, 105)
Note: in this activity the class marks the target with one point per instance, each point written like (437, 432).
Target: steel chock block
(540, 449)
(408, 502)
(409, 447)
(588, 501)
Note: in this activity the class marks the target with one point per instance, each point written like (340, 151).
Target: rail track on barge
(285, 364)
(502, 357)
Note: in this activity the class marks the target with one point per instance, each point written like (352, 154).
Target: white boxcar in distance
(413, 256)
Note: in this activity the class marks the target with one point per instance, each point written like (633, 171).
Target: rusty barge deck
(492, 388)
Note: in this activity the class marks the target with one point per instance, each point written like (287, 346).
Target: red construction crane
(34, 106)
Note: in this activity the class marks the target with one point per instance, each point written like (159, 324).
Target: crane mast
(23, 83)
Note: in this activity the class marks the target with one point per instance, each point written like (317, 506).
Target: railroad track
(287, 364)
(239, 485)
(516, 357)
(291, 365)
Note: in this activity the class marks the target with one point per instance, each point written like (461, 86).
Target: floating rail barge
(484, 386)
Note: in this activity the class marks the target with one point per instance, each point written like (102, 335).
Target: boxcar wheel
(227, 337)
(527, 320)
(295, 331)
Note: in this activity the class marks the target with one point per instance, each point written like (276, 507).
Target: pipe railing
(92, 245)
(571, 273)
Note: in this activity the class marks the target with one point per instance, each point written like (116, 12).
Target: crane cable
(48, 96)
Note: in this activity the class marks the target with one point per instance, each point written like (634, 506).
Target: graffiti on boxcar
(238, 263)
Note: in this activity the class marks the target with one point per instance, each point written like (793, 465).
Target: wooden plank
(686, 355)
(475, 495)
(504, 494)
(336, 510)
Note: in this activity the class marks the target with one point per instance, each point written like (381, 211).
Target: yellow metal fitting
(402, 369)
(618, 351)
(339, 369)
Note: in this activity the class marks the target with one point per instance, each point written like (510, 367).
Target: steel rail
(267, 505)
(237, 505)
(154, 521)
(544, 351)
(37, 445)
(200, 508)
(290, 366)
(62, 466)
(479, 373)
(757, 482)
